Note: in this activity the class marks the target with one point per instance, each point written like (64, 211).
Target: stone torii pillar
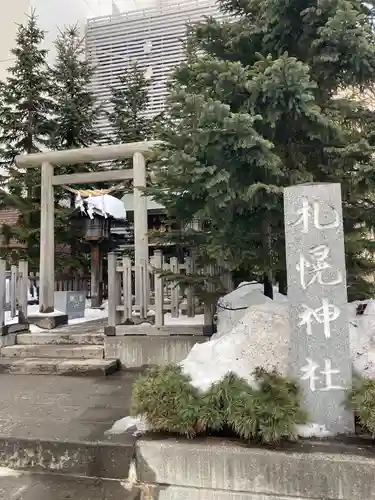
(140, 232)
(47, 241)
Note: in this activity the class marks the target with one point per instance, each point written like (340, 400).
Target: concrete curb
(223, 470)
(138, 351)
(91, 459)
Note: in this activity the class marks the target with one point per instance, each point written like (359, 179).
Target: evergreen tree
(127, 115)
(128, 103)
(25, 124)
(75, 122)
(77, 109)
(264, 101)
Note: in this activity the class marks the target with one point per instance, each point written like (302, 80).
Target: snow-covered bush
(267, 412)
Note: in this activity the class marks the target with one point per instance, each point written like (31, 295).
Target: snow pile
(139, 424)
(232, 307)
(260, 338)
(104, 205)
(362, 339)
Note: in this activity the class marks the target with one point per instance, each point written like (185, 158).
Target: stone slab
(48, 321)
(140, 351)
(55, 487)
(54, 351)
(59, 366)
(71, 303)
(181, 493)
(147, 329)
(60, 339)
(304, 471)
(72, 457)
(56, 425)
(317, 293)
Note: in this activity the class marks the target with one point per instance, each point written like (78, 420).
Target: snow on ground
(90, 315)
(313, 430)
(120, 426)
(95, 314)
(183, 320)
(5, 472)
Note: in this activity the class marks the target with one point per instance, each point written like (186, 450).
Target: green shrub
(361, 400)
(267, 413)
(170, 403)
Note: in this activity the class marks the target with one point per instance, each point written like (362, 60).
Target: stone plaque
(71, 303)
(320, 349)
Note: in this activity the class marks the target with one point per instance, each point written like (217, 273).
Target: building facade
(152, 36)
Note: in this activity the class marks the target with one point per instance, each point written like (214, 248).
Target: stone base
(140, 351)
(215, 469)
(48, 321)
(59, 366)
(13, 329)
(8, 340)
(159, 331)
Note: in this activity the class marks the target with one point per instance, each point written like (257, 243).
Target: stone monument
(320, 349)
(71, 303)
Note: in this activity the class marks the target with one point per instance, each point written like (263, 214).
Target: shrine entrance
(47, 161)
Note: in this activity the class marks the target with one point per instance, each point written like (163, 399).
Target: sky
(104, 7)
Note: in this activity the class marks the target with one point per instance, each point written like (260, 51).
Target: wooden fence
(14, 292)
(64, 284)
(157, 294)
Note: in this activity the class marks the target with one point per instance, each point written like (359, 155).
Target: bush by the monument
(266, 413)
(361, 400)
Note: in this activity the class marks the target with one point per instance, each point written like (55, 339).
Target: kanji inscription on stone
(315, 256)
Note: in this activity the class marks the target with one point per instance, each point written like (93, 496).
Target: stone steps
(57, 354)
(53, 351)
(59, 339)
(58, 366)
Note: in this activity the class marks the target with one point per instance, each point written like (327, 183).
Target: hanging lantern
(97, 228)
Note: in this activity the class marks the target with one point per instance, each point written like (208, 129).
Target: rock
(260, 338)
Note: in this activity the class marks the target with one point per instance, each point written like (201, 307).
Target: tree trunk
(267, 286)
(281, 278)
(267, 247)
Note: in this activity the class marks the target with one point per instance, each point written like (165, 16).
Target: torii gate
(47, 161)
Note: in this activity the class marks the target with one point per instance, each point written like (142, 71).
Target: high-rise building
(151, 36)
(53, 15)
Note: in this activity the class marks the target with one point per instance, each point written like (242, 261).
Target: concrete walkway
(51, 424)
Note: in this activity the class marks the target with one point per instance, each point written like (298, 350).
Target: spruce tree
(271, 97)
(76, 116)
(77, 109)
(128, 106)
(25, 125)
